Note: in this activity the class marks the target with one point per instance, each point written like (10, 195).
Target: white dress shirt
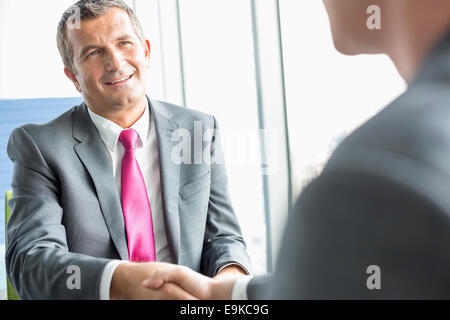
(240, 288)
(147, 156)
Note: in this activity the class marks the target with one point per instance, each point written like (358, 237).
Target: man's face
(110, 61)
(348, 19)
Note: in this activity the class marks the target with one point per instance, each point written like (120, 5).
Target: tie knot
(128, 138)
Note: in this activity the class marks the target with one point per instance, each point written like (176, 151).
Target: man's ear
(147, 53)
(69, 74)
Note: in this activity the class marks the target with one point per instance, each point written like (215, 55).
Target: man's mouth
(119, 81)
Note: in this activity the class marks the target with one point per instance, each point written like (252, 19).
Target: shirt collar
(110, 131)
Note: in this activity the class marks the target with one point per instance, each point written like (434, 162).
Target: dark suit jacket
(383, 199)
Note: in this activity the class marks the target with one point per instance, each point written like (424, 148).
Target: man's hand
(127, 281)
(201, 287)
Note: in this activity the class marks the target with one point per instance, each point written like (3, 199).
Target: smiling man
(97, 191)
(109, 66)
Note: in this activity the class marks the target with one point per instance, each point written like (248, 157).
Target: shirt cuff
(240, 288)
(105, 282)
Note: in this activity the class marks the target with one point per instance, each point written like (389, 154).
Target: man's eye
(93, 53)
(124, 43)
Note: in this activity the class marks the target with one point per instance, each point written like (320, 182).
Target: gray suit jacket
(66, 210)
(383, 199)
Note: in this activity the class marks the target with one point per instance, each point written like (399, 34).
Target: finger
(161, 276)
(171, 291)
(195, 283)
(153, 283)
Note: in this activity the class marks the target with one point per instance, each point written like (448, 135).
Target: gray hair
(85, 10)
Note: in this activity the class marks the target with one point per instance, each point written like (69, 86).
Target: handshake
(164, 281)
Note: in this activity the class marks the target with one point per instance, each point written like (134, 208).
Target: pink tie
(135, 205)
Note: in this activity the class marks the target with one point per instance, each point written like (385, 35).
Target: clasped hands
(164, 281)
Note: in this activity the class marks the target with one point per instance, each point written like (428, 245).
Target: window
(220, 79)
(328, 94)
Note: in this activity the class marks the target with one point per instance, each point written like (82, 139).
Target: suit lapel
(170, 175)
(92, 153)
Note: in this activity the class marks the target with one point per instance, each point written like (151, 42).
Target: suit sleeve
(348, 223)
(223, 242)
(38, 262)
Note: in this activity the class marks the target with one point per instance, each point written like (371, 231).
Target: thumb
(153, 283)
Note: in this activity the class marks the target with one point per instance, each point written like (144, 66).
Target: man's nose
(114, 61)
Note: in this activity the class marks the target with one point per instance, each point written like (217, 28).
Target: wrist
(222, 288)
(119, 282)
(233, 270)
